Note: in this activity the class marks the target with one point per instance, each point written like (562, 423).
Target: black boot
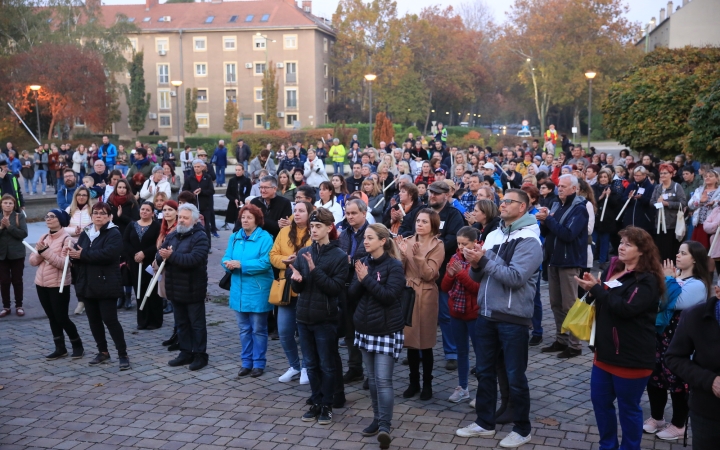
(173, 339)
(505, 413)
(426, 393)
(121, 301)
(78, 350)
(414, 386)
(168, 309)
(60, 350)
(128, 301)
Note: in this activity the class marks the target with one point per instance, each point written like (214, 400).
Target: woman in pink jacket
(711, 224)
(48, 279)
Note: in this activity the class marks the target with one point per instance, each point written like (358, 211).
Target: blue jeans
(42, 175)
(253, 339)
(602, 242)
(245, 165)
(319, 344)
(338, 168)
(380, 370)
(448, 337)
(286, 330)
(463, 332)
(689, 226)
(220, 172)
(604, 389)
(512, 340)
(537, 309)
(27, 185)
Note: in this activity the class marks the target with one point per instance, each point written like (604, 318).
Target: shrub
(258, 140)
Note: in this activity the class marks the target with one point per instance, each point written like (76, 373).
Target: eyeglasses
(664, 173)
(508, 201)
(50, 217)
(262, 188)
(99, 213)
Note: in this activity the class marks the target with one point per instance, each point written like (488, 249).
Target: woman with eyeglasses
(48, 279)
(13, 230)
(140, 248)
(702, 202)
(98, 283)
(79, 211)
(672, 197)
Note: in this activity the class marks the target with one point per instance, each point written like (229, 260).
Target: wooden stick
(65, 267)
(140, 271)
(152, 284)
(714, 242)
(602, 216)
(32, 249)
(625, 205)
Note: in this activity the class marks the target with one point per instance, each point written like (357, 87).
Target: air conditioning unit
(173, 94)
(162, 53)
(280, 65)
(166, 18)
(248, 65)
(281, 114)
(152, 116)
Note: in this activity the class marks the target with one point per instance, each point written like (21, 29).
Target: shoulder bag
(280, 291)
(407, 303)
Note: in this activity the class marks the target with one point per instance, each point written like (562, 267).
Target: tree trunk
(427, 119)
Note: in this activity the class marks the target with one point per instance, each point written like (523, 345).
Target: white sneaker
(472, 403)
(653, 426)
(459, 395)
(513, 440)
(303, 377)
(671, 433)
(289, 375)
(80, 308)
(474, 430)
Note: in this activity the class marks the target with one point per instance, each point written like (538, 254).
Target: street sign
(574, 130)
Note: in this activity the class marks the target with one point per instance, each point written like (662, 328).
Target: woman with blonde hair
(371, 189)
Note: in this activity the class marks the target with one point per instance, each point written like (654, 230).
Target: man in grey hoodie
(507, 268)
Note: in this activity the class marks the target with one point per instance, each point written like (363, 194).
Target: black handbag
(407, 303)
(225, 281)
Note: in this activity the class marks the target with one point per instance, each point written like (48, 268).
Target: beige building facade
(222, 49)
(684, 23)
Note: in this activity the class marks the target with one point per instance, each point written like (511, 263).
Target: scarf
(118, 200)
(457, 292)
(396, 226)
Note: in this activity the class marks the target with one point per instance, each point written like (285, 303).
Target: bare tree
(476, 15)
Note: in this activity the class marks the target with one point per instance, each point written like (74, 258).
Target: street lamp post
(647, 33)
(370, 78)
(267, 73)
(589, 75)
(177, 84)
(36, 88)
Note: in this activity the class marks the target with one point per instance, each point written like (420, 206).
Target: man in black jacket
(242, 153)
(451, 220)
(354, 182)
(9, 185)
(200, 184)
(237, 191)
(185, 252)
(274, 207)
(639, 212)
(351, 242)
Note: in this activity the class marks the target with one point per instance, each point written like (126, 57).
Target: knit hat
(62, 216)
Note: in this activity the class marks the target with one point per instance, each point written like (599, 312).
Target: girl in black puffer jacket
(379, 322)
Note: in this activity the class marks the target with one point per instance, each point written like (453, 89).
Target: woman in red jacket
(462, 298)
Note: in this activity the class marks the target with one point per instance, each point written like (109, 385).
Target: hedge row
(258, 140)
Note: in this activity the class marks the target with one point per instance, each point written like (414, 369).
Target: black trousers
(102, 313)
(209, 216)
(705, 432)
(191, 327)
(354, 354)
(658, 399)
(414, 363)
(151, 315)
(11, 273)
(56, 306)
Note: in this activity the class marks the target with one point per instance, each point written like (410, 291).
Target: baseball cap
(439, 187)
(488, 166)
(440, 170)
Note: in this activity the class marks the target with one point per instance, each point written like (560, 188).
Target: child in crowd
(422, 192)
(89, 183)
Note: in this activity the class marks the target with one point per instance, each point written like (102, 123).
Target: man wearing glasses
(65, 194)
(274, 207)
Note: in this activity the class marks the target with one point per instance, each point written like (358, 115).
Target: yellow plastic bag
(579, 320)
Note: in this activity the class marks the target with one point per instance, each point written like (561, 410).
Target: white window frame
(133, 43)
(206, 117)
(202, 39)
(207, 95)
(165, 42)
(288, 123)
(164, 100)
(227, 64)
(285, 72)
(297, 99)
(255, 120)
(158, 74)
(232, 39)
(285, 42)
(325, 45)
(255, 94)
(326, 71)
(257, 40)
(197, 66)
(325, 95)
(226, 94)
(255, 72)
(164, 116)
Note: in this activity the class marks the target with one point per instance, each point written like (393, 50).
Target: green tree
(704, 139)
(23, 24)
(648, 108)
(113, 105)
(191, 124)
(270, 96)
(408, 103)
(231, 117)
(138, 100)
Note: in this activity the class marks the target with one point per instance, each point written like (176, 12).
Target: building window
(202, 95)
(164, 99)
(203, 120)
(290, 42)
(258, 94)
(164, 121)
(259, 68)
(291, 72)
(133, 44)
(79, 122)
(163, 73)
(291, 98)
(200, 69)
(162, 44)
(325, 45)
(325, 95)
(210, 19)
(231, 95)
(259, 120)
(200, 44)
(325, 70)
(229, 43)
(332, 94)
(265, 18)
(259, 43)
(233, 19)
(230, 73)
(290, 119)
(326, 118)
(249, 18)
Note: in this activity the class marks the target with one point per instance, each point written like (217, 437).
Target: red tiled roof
(190, 16)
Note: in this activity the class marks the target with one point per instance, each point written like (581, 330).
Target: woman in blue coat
(248, 259)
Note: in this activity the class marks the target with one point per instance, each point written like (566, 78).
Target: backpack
(667, 304)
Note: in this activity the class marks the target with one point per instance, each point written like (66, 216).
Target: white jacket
(81, 219)
(161, 186)
(79, 160)
(334, 208)
(315, 175)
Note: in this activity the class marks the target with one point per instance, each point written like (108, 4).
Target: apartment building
(222, 48)
(693, 23)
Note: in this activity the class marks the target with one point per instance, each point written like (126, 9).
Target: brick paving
(67, 404)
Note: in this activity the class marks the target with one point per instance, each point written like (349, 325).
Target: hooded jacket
(251, 283)
(50, 273)
(566, 234)
(508, 271)
(97, 272)
(185, 272)
(379, 311)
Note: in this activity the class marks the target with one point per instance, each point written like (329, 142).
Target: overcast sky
(640, 10)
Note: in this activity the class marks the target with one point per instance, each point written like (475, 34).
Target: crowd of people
(470, 235)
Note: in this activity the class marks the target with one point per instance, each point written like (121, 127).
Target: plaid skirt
(389, 344)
